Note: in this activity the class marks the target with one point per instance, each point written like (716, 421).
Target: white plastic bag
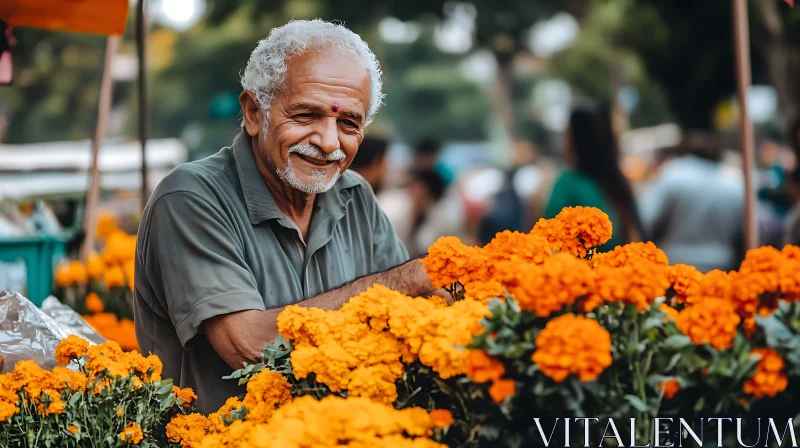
(28, 332)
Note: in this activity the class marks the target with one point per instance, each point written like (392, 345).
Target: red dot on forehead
(335, 107)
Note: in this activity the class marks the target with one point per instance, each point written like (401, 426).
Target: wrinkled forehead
(338, 81)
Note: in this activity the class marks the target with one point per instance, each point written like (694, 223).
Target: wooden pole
(743, 74)
(141, 48)
(103, 109)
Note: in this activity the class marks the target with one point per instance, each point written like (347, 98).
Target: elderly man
(274, 220)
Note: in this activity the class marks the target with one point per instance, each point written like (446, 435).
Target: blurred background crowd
(497, 113)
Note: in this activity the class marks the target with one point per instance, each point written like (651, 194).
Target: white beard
(320, 184)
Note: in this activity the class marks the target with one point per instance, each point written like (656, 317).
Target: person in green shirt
(594, 178)
(276, 219)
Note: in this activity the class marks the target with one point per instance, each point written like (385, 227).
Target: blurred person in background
(371, 163)
(594, 177)
(792, 232)
(693, 208)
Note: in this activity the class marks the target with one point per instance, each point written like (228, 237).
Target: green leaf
(74, 399)
(637, 403)
(677, 342)
(164, 389)
(654, 321)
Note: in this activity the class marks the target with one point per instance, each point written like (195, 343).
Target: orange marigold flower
(186, 395)
(750, 326)
(71, 347)
(7, 410)
(789, 275)
(765, 261)
(484, 292)
(745, 291)
(441, 418)
(672, 313)
(450, 261)
(571, 344)
(106, 225)
(630, 253)
(575, 230)
(132, 434)
(685, 281)
(547, 288)
(72, 273)
(528, 247)
(215, 420)
(114, 277)
(768, 379)
(791, 252)
(670, 388)
(482, 368)
(501, 389)
(709, 321)
(95, 266)
(637, 283)
(187, 430)
(266, 391)
(73, 429)
(93, 303)
(120, 247)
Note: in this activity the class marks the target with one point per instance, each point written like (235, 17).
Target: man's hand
(240, 337)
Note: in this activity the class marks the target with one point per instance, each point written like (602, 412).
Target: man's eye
(303, 116)
(350, 124)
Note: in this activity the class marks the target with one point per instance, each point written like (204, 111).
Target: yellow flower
(266, 391)
(95, 266)
(132, 434)
(106, 225)
(72, 347)
(187, 430)
(186, 395)
(575, 230)
(709, 321)
(484, 292)
(73, 429)
(441, 418)
(114, 277)
(501, 389)
(93, 303)
(120, 412)
(768, 379)
(572, 344)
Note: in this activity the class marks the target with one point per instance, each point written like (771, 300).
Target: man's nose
(327, 135)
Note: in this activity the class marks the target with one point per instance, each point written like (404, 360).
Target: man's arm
(239, 337)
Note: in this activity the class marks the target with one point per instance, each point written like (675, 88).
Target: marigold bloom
(572, 344)
(120, 247)
(670, 388)
(73, 429)
(215, 420)
(576, 230)
(768, 379)
(266, 391)
(187, 430)
(791, 252)
(709, 321)
(7, 410)
(630, 253)
(113, 277)
(71, 347)
(685, 281)
(484, 292)
(672, 313)
(450, 261)
(441, 418)
(482, 368)
(765, 261)
(95, 266)
(132, 434)
(517, 246)
(186, 395)
(547, 288)
(71, 273)
(107, 224)
(501, 389)
(637, 283)
(93, 303)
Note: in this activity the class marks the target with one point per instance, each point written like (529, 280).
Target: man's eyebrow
(319, 109)
(355, 116)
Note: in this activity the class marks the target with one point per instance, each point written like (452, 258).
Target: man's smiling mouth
(314, 161)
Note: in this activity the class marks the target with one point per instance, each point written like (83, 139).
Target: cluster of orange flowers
(571, 344)
(273, 418)
(482, 368)
(110, 327)
(362, 346)
(30, 388)
(769, 379)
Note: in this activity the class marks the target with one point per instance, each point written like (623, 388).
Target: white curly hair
(266, 69)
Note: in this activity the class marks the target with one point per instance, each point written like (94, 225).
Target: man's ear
(251, 112)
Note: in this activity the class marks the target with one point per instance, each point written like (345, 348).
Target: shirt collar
(261, 205)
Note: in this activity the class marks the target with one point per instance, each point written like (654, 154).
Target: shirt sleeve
(195, 262)
(388, 249)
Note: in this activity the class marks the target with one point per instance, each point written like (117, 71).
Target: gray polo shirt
(212, 241)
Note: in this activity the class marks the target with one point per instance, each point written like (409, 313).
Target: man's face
(316, 122)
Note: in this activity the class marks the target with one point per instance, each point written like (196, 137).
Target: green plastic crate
(41, 254)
